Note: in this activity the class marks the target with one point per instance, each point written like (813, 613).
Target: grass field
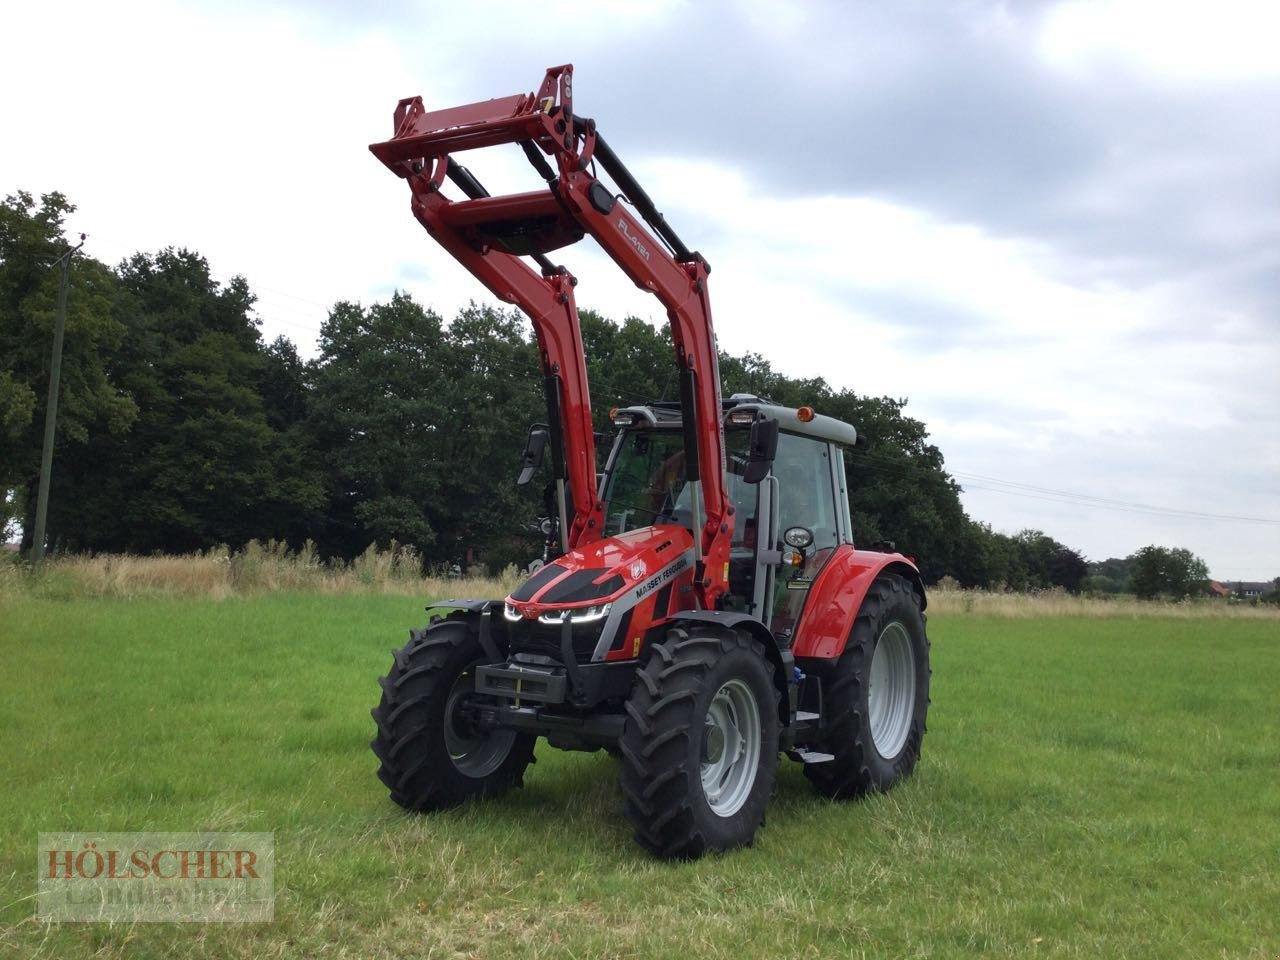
(1090, 787)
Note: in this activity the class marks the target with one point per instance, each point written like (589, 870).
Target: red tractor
(708, 610)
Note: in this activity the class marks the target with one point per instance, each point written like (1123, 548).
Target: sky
(1053, 227)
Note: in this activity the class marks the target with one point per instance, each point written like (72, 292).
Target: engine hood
(601, 572)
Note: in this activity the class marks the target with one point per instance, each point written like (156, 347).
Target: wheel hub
(474, 751)
(712, 744)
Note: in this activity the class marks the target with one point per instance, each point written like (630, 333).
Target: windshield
(647, 484)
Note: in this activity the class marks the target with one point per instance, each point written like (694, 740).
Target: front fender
(470, 606)
(836, 596)
(477, 613)
(783, 662)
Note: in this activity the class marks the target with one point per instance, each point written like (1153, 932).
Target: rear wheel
(700, 747)
(433, 754)
(876, 695)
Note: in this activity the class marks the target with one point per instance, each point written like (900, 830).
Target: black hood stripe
(529, 589)
(581, 586)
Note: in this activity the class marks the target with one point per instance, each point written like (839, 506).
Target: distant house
(1215, 589)
(1247, 589)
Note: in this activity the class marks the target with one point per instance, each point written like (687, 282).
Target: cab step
(811, 756)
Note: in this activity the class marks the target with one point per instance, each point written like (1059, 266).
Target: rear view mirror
(534, 449)
(761, 449)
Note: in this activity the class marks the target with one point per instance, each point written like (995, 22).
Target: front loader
(708, 610)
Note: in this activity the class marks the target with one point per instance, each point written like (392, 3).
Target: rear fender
(837, 594)
(783, 662)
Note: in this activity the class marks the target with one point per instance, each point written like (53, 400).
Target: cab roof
(667, 413)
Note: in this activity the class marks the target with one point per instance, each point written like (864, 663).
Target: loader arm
(490, 236)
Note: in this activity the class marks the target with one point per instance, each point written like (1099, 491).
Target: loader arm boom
(490, 235)
(549, 303)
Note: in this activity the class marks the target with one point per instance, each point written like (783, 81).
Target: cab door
(804, 494)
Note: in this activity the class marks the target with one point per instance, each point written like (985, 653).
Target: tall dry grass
(257, 568)
(946, 600)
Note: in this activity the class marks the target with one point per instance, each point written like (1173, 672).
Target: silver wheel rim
(730, 748)
(891, 692)
(473, 753)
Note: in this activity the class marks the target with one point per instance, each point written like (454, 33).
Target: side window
(806, 496)
(742, 496)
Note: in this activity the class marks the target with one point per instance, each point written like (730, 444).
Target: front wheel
(433, 753)
(700, 746)
(875, 695)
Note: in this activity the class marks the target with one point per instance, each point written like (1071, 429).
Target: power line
(1149, 512)
(294, 296)
(272, 293)
(1051, 495)
(1109, 501)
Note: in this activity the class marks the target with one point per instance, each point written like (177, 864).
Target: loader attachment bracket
(422, 134)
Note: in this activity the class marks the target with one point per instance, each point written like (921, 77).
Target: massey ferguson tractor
(708, 610)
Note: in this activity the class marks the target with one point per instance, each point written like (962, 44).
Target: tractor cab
(786, 525)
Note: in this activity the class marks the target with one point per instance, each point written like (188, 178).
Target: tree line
(180, 428)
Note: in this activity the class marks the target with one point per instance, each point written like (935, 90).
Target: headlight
(581, 615)
(511, 613)
(798, 537)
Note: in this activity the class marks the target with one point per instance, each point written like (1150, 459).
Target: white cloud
(1177, 42)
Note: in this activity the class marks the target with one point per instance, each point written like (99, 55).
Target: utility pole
(51, 410)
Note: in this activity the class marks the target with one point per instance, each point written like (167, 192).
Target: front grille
(530, 636)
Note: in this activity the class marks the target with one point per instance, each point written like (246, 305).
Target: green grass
(1089, 788)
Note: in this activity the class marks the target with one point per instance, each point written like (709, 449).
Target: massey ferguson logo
(635, 241)
(663, 576)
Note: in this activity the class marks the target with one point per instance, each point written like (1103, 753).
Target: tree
(1036, 550)
(380, 407)
(1100, 585)
(1108, 576)
(627, 363)
(11, 513)
(1067, 568)
(1188, 573)
(1146, 577)
(202, 464)
(973, 560)
(286, 396)
(492, 370)
(1161, 571)
(30, 240)
(1047, 563)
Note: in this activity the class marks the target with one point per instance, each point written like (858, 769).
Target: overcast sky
(1055, 228)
